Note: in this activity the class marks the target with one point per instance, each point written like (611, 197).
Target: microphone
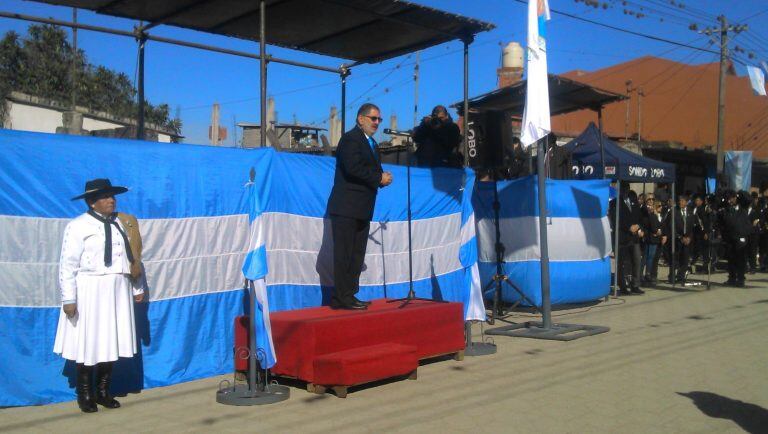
(406, 133)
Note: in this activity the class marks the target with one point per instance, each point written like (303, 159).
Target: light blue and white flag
(255, 269)
(474, 307)
(757, 79)
(536, 119)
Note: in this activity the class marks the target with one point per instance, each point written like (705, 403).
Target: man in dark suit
(358, 177)
(630, 233)
(683, 238)
(736, 230)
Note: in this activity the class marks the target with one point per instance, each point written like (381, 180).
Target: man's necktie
(372, 143)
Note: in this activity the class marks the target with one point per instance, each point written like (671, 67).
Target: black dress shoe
(348, 306)
(358, 301)
(637, 291)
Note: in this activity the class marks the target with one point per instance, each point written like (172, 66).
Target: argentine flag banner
(536, 122)
(255, 269)
(207, 226)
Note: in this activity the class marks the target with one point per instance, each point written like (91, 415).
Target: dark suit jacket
(628, 216)
(358, 174)
(681, 230)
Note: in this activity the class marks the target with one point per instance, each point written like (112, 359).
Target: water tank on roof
(512, 56)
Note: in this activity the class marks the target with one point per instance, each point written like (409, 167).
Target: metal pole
(546, 310)
(416, 91)
(164, 40)
(263, 72)
(467, 41)
(600, 138)
(140, 85)
(73, 96)
(640, 95)
(343, 102)
(616, 259)
(673, 237)
(721, 98)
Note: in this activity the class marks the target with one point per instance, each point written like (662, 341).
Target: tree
(41, 65)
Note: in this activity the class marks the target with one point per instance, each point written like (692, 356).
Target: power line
(756, 14)
(631, 32)
(680, 100)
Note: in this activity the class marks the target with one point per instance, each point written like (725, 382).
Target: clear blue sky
(193, 80)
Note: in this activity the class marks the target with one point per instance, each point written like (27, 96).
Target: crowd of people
(728, 225)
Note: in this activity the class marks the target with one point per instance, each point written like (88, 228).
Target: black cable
(631, 32)
(680, 99)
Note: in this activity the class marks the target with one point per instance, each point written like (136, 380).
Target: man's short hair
(366, 108)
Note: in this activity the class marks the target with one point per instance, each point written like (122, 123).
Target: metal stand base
(475, 349)
(480, 349)
(240, 394)
(557, 332)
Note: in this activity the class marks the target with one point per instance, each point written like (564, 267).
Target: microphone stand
(411, 293)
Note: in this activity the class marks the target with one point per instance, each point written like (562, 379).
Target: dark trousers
(682, 257)
(737, 262)
(651, 260)
(763, 250)
(753, 246)
(350, 237)
(629, 271)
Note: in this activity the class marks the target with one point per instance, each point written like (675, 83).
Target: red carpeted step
(365, 364)
(301, 336)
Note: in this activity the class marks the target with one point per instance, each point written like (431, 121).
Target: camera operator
(437, 139)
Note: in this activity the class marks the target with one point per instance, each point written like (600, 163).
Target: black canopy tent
(364, 31)
(620, 163)
(565, 96)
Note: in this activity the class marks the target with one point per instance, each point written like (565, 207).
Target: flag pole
(535, 129)
(546, 308)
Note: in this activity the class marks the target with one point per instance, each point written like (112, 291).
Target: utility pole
(626, 121)
(723, 32)
(416, 91)
(640, 95)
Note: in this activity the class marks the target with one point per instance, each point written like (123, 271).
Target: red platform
(317, 344)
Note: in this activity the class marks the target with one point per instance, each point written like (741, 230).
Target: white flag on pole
(536, 124)
(757, 78)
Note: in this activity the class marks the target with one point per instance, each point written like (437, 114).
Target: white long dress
(104, 327)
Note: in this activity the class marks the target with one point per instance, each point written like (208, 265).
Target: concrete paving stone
(625, 381)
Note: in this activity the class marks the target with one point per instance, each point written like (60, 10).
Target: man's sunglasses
(374, 118)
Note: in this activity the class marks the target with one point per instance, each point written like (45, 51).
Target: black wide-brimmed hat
(99, 188)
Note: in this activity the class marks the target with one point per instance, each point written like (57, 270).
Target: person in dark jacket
(736, 229)
(753, 241)
(437, 139)
(682, 237)
(763, 248)
(654, 239)
(630, 233)
(357, 179)
(699, 244)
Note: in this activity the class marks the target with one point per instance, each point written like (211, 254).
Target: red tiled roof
(679, 105)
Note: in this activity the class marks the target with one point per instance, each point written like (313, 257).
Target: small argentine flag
(255, 269)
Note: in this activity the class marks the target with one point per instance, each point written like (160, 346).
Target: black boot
(85, 396)
(103, 380)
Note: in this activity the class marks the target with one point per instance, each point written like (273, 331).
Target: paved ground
(684, 361)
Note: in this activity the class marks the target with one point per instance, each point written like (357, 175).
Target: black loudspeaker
(488, 136)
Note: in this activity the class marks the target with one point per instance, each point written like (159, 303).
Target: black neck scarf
(108, 236)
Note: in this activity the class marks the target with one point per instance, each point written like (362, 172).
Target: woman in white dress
(96, 324)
